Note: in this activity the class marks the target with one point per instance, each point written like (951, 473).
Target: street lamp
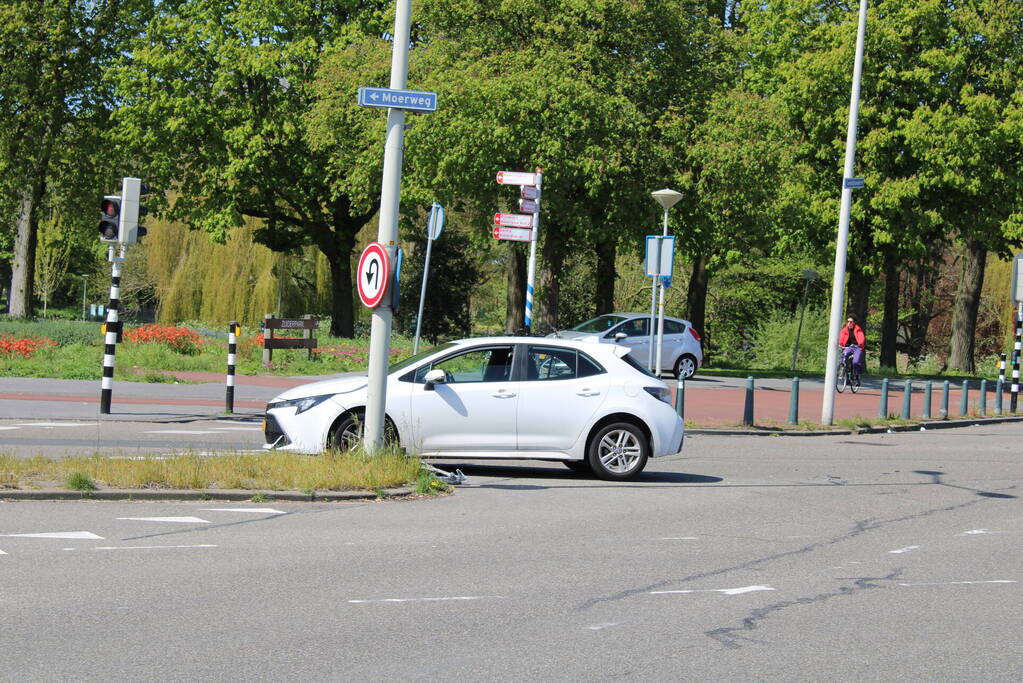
(810, 276)
(667, 199)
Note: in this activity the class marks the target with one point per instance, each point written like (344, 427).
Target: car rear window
(636, 364)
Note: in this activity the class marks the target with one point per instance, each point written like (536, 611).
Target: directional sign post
(374, 273)
(434, 226)
(523, 227)
(514, 234)
(513, 220)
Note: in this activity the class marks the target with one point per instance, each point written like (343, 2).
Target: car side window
(491, 364)
(637, 327)
(554, 363)
(672, 327)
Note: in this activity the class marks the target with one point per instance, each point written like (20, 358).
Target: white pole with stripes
(232, 360)
(111, 329)
(1014, 396)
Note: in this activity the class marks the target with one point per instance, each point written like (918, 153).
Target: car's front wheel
(350, 429)
(618, 451)
(685, 366)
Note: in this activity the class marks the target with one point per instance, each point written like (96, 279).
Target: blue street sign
(853, 183)
(385, 98)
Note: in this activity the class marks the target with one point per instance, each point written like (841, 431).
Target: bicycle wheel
(854, 382)
(843, 377)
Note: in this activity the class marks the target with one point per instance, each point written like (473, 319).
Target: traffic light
(109, 227)
(132, 190)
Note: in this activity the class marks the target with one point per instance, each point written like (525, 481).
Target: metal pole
(653, 307)
(907, 397)
(659, 280)
(799, 329)
(85, 284)
(747, 412)
(387, 232)
(794, 402)
(964, 398)
(112, 328)
(842, 243)
(534, 237)
(926, 414)
(982, 404)
(882, 408)
(680, 398)
(944, 399)
(422, 295)
(999, 389)
(232, 360)
(1014, 389)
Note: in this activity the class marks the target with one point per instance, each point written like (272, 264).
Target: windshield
(602, 323)
(412, 360)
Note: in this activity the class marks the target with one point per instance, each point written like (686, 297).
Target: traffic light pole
(111, 328)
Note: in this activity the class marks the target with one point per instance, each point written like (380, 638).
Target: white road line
(81, 535)
(181, 431)
(2, 552)
(977, 532)
(679, 538)
(723, 591)
(51, 424)
(957, 583)
(907, 549)
(238, 429)
(151, 547)
(265, 511)
(601, 627)
(8, 428)
(467, 597)
(182, 520)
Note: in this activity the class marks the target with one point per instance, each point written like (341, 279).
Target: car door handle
(587, 392)
(501, 393)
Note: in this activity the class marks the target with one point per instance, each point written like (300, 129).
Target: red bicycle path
(706, 405)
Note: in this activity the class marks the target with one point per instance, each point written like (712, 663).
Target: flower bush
(180, 339)
(26, 347)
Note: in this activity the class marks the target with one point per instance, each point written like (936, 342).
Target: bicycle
(848, 376)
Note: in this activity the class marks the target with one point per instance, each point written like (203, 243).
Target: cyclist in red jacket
(854, 342)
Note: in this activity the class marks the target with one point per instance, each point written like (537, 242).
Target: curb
(183, 495)
(881, 429)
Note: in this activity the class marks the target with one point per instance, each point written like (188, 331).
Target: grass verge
(255, 472)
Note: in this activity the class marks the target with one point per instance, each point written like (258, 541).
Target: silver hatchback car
(681, 352)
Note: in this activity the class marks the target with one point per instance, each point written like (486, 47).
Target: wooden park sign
(306, 324)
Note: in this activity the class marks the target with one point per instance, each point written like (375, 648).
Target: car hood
(572, 334)
(335, 385)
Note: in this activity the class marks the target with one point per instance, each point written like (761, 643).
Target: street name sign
(386, 98)
(516, 178)
(853, 183)
(528, 206)
(516, 234)
(373, 274)
(513, 220)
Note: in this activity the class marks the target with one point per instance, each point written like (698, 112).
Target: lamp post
(810, 276)
(667, 199)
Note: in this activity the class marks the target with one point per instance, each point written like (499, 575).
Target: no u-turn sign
(373, 274)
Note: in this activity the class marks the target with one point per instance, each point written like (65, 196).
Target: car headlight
(300, 404)
(660, 393)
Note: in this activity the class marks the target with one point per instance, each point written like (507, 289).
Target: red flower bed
(23, 347)
(177, 338)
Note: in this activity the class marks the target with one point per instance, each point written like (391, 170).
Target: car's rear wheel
(685, 366)
(348, 432)
(618, 451)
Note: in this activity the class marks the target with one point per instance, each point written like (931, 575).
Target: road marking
(81, 535)
(50, 424)
(181, 431)
(907, 549)
(976, 532)
(182, 520)
(151, 547)
(601, 627)
(679, 538)
(723, 591)
(2, 552)
(957, 583)
(467, 597)
(8, 428)
(238, 429)
(268, 511)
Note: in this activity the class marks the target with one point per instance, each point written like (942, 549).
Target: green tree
(219, 100)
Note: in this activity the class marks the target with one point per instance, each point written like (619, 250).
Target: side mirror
(433, 377)
(620, 336)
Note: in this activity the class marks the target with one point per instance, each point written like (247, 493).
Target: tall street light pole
(842, 243)
(667, 199)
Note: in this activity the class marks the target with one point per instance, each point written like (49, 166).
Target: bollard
(882, 410)
(999, 388)
(927, 400)
(907, 393)
(794, 402)
(1001, 367)
(232, 359)
(747, 413)
(982, 403)
(680, 398)
(944, 399)
(964, 398)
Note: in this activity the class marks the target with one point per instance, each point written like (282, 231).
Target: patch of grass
(79, 481)
(260, 497)
(429, 485)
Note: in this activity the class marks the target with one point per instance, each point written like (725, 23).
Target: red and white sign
(513, 220)
(516, 234)
(529, 192)
(373, 274)
(528, 206)
(516, 178)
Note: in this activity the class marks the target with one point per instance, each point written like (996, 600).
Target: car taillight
(696, 335)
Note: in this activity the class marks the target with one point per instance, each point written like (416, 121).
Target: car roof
(647, 315)
(593, 349)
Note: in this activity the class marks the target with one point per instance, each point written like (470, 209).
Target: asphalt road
(884, 557)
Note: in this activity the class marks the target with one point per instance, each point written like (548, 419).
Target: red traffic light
(110, 207)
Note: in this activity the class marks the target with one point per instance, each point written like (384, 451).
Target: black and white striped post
(1014, 394)
(111, 329)
(232, 359)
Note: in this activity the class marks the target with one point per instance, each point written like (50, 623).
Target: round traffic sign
(373, 274)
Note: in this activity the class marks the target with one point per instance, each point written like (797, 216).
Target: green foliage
(775, 337)
(62, 332)
(79, 481)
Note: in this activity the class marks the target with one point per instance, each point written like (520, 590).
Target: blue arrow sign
(385, 98)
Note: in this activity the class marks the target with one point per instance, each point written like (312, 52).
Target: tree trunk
(342, 305)
(966, 307)
(24, 256)
(890, 321)
(696, 297)
(550, 284)
(859, 296)
(606, 255)
(516, 296)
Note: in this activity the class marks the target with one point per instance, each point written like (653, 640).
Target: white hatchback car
(681, 352)
(591, 406)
